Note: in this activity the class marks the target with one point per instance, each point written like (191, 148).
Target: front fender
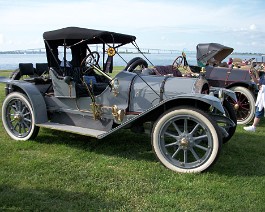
(211, 100)
(131, 119)
(34, 96)
(227, 92)
(208, 99)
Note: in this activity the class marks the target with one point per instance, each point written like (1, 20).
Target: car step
(73, 129)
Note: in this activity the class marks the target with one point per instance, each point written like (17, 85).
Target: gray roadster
(76, 94)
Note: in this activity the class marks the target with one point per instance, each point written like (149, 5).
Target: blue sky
(164, 24)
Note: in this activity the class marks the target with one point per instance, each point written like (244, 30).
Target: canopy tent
(207, 52)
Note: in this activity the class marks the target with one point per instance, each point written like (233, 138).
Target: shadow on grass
(243, 155)
(121, 144)
(17, 199)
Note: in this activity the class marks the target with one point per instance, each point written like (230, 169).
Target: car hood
(147, 91)
(168, 85)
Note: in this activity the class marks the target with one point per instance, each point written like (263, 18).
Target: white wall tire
(246, 104)
(18, 117)
(186, 139)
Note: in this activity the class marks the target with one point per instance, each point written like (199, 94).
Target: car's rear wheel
(186, 139)
(18, 118)
(245, 104)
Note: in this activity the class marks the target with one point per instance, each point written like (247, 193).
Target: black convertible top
(91, 36)
(208, 51)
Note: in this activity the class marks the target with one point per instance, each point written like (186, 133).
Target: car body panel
(78, 112)
(227, 77)
(145, 95)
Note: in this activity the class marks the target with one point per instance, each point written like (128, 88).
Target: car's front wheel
(18, 118)
(186, 139)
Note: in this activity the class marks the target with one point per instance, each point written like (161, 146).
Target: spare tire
(139, 62)
(130, 62)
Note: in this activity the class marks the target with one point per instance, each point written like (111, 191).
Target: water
(11, 61)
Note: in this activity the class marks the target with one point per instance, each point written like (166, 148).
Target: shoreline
(11, 61)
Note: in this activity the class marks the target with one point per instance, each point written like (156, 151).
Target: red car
(236, 79)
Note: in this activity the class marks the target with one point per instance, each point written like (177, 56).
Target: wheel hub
(18, 117)
(185, 141)
(236, 106)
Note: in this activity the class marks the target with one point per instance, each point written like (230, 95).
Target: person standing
(260, 102)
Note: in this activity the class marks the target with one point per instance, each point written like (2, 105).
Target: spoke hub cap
(18, 117)
(236, 106)
(186, 141)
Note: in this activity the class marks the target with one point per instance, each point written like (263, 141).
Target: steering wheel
(179, 62)
(90, 59)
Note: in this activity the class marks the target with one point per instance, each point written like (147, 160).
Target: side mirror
(67, 79)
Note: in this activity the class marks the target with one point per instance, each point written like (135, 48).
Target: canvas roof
(91, 36)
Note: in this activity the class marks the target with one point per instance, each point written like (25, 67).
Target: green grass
(66, 172)
(5, 73)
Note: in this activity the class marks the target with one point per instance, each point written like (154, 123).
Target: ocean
(11, 61)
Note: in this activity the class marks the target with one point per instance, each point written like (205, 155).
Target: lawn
(66, 172)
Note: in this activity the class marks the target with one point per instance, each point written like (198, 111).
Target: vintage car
(78, 95)
(235, 78)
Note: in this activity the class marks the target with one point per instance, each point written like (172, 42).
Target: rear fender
(34, 96)
(249, 85)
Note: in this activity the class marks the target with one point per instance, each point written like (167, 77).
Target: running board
(74, 129)
(92, 132)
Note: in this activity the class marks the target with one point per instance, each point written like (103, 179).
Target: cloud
(119, 13)
(157, 23)
(252, 27)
